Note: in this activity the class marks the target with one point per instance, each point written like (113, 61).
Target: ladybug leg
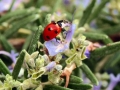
(57, 40)
(64, 33)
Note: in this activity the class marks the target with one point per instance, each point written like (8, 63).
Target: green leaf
(12, 4)
(77, 72)
(2, 77)
(3, 68)
(111, 30)
(113, 60)
(87, 13)
(35, 39)
(89, 74)
(17, 13)
(106, 50)
(75, 79)
(18, 64)
(100, 36)
(8, 33)
(97, 10)
(47, 19)
(27, 43)
(25, 73)
(80, 86)
(55, 87)
(5, 44)
(56, 5)
(39, 3)
(11, 14)
(70, 60)
(39, 73)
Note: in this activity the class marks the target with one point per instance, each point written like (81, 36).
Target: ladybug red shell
(51, 31)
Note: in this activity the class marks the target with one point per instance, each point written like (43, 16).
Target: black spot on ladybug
(48, 37)
(56, 32)
(49, 29)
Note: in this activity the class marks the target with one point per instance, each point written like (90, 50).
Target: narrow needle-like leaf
(11, 6)
(18, 65)
(100, 36)
(80, 86)
(8, 33)
(35, 39)
(87, 13)
(97, 10)
(111, 30)
(55, 87)
(3, 68)
(89, 74)
(105, 50)
(5, 44)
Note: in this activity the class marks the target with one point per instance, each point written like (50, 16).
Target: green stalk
(18, 65)
(12, 4)
(87, 13)
(3, 68)
(89, 74)
(8, 33)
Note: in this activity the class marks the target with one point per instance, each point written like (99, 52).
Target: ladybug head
(63, 23)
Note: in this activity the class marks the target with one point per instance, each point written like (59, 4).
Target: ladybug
(53, 29)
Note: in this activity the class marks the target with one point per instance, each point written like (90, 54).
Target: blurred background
(99, 22)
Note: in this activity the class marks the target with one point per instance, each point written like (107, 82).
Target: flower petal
(54, 47)
(13, 56)
(70, 33)
(87, 53)
(50, 66)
